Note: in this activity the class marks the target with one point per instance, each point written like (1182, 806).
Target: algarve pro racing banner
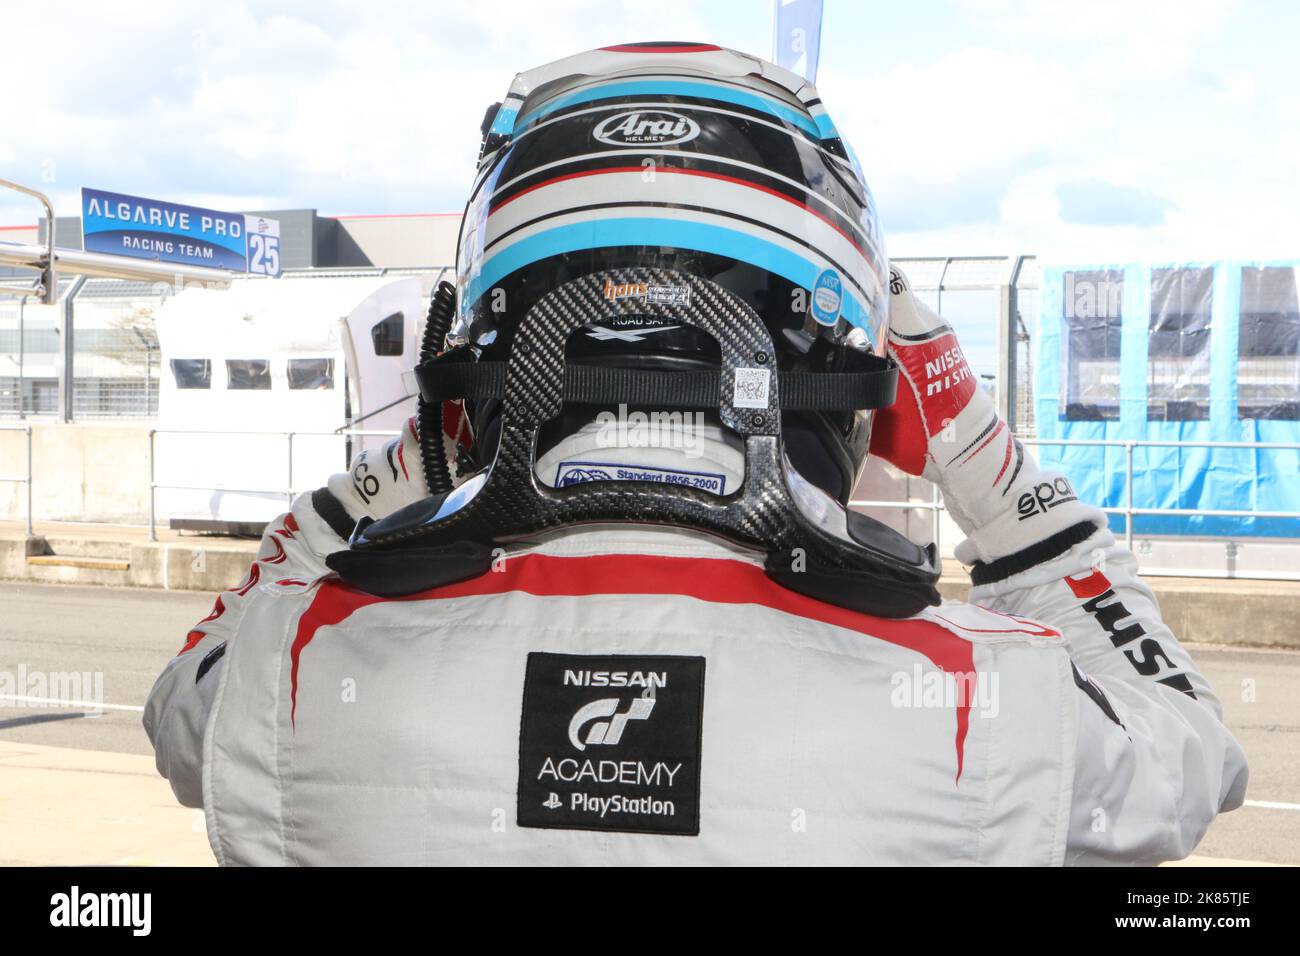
(123, 225)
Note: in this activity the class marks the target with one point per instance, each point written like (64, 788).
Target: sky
(1102, 131)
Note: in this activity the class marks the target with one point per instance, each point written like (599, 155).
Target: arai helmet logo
(646, 128)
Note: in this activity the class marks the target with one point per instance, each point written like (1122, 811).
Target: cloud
(963, 198)
(980, 136)
(973, 107)
(942, 142)
(322, 106)
(1113, 41)
(1096, 202)
(1107, 129)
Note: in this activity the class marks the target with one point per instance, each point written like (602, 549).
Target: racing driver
(603, 601)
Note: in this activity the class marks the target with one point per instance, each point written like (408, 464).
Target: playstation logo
(552, 802)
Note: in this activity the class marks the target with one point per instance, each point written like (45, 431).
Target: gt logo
(606, 732)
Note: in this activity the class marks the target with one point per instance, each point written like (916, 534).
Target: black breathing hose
(442, 308)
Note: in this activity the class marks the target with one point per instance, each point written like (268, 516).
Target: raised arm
(1153, 761)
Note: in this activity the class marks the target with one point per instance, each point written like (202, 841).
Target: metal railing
(935, 505)
(1128, 511)
(96, 353)
(1002, 282)
(23, 479)
(288, 489)
(45, 285)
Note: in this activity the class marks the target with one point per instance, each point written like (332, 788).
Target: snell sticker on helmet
(646, 128)
(826, 296)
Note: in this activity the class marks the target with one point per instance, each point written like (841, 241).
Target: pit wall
(81, 472)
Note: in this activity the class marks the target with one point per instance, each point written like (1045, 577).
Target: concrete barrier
(1206, 610)
(82, 472)
(125, 559)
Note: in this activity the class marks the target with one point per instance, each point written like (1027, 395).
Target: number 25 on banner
(263, 246)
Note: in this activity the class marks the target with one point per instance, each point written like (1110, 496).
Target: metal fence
(985, 299)
(288, 489)
(95, 353)
(107, 364)
(935, 505)
(106, 367)
(25, 478)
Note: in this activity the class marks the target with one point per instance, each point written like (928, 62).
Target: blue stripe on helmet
(504, 121)
(825, 128)
(703, 237)
(821, 128)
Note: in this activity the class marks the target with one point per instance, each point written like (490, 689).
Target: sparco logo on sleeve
(646, 128)
(611, 743)
(1045, 496)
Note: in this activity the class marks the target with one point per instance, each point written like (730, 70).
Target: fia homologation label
(611, 742)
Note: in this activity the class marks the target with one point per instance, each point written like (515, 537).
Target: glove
(381, 480)
(943, 427)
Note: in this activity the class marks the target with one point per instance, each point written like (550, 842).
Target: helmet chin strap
(682, 448)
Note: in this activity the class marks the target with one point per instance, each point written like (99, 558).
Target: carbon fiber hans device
(862, 564)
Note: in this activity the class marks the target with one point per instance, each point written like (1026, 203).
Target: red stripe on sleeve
(1090, 585)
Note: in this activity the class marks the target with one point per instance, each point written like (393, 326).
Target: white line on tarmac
(1272, 805)
(55, 702)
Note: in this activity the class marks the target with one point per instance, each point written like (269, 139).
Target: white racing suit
(640, 695)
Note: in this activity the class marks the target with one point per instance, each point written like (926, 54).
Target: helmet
(664, 225)
(691, 158)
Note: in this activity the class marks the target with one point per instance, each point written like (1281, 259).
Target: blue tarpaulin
(1194, 352)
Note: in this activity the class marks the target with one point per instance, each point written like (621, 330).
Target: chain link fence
(115, 355)
(29, 352)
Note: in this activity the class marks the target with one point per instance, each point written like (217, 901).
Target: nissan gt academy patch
(611, 743)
